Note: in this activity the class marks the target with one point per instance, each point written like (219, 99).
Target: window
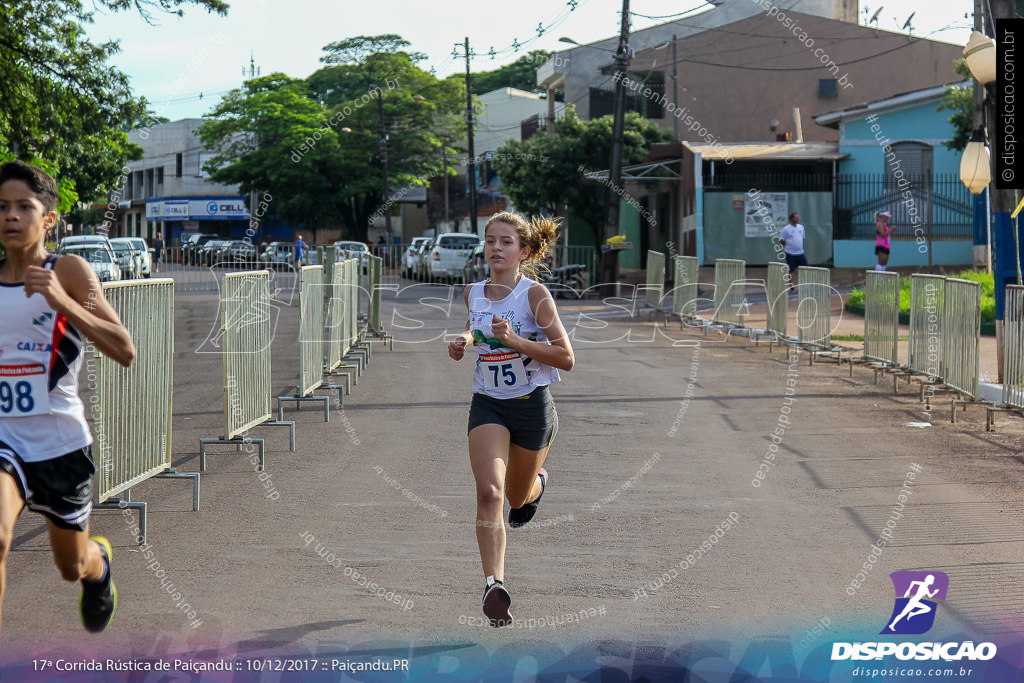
(828, 87)
(160, 175)
(177, 165)
(602, 103)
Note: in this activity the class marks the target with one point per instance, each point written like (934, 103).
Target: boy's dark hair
(38, 180)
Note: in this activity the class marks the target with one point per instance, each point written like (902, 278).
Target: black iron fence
(938, 207)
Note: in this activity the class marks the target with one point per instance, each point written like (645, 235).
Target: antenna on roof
(874, 18)
(906, 25)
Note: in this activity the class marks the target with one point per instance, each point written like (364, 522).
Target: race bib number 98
(23, 390)
(504, 370)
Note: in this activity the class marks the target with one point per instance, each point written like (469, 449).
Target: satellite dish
(874, 17)
(906, 24)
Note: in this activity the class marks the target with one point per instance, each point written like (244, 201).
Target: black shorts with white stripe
(59, 488)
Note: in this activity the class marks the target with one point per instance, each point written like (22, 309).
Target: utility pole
(675, 91)
(386, 189)
(471, 166)
(444, 156)
(610, 258)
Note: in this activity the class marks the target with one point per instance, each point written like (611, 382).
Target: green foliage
(985, 279)
(287, 136)
(547, 170)
(959, 101)
(521, 74)
(61, 100)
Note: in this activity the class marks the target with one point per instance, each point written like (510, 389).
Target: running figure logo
(916, 596)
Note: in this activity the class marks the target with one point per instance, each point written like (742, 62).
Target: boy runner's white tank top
(502, 372)
(41, 414)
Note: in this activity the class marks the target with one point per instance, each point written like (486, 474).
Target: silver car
(143, 259)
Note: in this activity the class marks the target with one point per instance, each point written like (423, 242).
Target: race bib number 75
(504, 370)
(24, 390)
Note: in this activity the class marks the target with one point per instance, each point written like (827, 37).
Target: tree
(547, 170)
(287, 136)
(521, 74)
(62, 102)
(960, 101)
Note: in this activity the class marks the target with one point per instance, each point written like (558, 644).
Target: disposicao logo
(916, 596)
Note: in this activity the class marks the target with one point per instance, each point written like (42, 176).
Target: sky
(184, 65)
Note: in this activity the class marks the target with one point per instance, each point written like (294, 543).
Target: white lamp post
(976, 163)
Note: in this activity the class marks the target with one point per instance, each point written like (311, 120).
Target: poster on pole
(766, 213)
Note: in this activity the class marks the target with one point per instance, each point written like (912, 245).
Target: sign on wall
(766, 213)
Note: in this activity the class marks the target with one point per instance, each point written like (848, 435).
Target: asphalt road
(658, 452)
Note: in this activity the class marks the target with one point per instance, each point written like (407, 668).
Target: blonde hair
(538, 234)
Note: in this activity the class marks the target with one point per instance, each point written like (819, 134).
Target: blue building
(895, 159)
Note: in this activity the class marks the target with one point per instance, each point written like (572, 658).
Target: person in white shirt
(792, 239)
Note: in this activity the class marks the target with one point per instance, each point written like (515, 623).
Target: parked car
(278, 254)
(240, 251)
(97, 251)
(448, 256)
(146, 251)
(214, 252)
(128, 260)
(476, 267)
(191, 246)
(411, 254)
(420, 270)
(349, 249)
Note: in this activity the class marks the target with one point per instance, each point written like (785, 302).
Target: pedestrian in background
(882, 232)
(158, 251)
(300, 251)
(792, 239)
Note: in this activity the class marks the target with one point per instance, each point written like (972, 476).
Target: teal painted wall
(861, 254)
(920, 123)
(724, 231)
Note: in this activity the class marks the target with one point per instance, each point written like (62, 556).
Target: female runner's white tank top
(502, 372)
(41, 414)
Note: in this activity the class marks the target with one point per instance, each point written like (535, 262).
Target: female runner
(521, 346)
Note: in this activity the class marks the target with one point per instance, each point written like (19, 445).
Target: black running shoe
(496, 604)
(99, 598)
(520, 516)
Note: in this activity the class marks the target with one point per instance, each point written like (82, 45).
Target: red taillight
(437, 256)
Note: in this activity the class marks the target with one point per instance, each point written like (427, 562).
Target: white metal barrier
(777, 295)
(1013, 355)
(926, 337)
(961, 342)
(245, 345)
(654, 294)
(730, 291)
(311, 342)
(813, 313)
(684, 293)
(344, 300)
(131, 416)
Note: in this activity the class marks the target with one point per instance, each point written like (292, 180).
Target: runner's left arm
(558, 353)
(72, 288)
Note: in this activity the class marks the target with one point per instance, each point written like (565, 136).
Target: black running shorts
(531, 420)
(879, 249)
(59, 488)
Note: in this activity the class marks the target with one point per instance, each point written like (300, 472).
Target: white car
(350, 249)
(144, 261)
(448, 257)
(411, 255)
(127, 259)
(97, 251)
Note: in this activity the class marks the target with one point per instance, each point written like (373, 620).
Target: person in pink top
(882, 232)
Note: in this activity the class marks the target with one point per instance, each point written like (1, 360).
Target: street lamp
(980, 53)
(976, 163)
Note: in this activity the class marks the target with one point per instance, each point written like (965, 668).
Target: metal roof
(768, 151)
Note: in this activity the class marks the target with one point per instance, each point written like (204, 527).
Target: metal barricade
(1013, 355)
(813, 313)
(245, 345)
(373, 289)
(882, 317)
(131, 414)
(730, 288)
(926, 337)
(311, 342)
(654, 293)
(343, 300)
(961, 319)
(684, 292)
(778, 300)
